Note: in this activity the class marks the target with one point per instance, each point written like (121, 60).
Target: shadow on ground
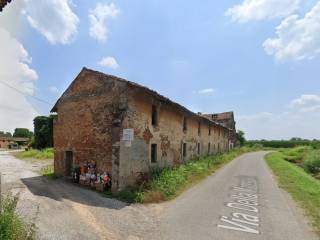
(60, 190)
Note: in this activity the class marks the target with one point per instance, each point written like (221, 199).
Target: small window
(199, 150)
(184, 124)
(184, 149)
(199, 128)
(153, 153)
(209, 130)
(154, 115)
(209, 146)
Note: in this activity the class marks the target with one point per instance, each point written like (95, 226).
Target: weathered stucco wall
(86, 114)
(168, 135)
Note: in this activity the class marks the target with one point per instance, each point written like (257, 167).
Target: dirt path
(62, 210)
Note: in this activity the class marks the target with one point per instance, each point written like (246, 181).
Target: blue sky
(259, 59)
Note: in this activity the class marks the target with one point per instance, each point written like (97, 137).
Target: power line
(25, 94)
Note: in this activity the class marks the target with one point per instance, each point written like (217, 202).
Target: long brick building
(126, 129)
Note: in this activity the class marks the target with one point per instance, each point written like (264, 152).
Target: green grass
(168, 183)
(304, 189)
(295, 155)
(12, 227)
(35, 154)
(48, 172)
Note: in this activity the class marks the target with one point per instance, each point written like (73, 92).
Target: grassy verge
(35, 154)
(303, 187)
(12, 227)
(168, 183)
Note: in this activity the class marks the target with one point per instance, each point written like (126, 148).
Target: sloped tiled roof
(147, 90)
(3, 3)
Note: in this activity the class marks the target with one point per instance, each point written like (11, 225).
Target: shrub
(312, 162)
(295, 155)
(12, 227)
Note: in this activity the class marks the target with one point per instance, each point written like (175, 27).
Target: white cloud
(98, 20)
(306, 103)
(301, 121)
(297, 38)
(205, 91)
(54, 89)
(262, 9)
(54, 19)
(110, 62)
(257, 116)
(16, 77)
(9, 17)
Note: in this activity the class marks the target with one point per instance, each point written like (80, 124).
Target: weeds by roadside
(303, 187)
(35, 154)
(48, 172)
(305, 157)
(168, 183)
(12, 226)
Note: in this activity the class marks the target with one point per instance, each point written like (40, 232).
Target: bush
(312, 162)
(295, 155)
(43, 131)
(12, 227)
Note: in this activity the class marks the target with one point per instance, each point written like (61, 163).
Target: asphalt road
(241, 201)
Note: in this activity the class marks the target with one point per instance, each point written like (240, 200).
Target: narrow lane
(241, 201)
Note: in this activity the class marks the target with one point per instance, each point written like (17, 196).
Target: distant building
(127, 129)
(226, 119)
(10, 142)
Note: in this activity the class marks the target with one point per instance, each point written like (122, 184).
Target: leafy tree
(43, 132)
(240, 137)
(22, 132)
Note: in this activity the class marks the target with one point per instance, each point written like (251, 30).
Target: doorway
(68, 162)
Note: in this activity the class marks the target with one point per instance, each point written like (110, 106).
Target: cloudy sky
(259, 58)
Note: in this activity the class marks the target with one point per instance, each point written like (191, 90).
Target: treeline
(18, 132)
(295, 142)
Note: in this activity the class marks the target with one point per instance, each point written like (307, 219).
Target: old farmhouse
(127, 129)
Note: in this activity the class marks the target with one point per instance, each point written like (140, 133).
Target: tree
(43, 131)
(22, 132)
(240, 137)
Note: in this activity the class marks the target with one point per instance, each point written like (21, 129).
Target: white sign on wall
(128, 134)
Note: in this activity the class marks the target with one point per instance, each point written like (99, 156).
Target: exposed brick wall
(85, 117)
(95, 110)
